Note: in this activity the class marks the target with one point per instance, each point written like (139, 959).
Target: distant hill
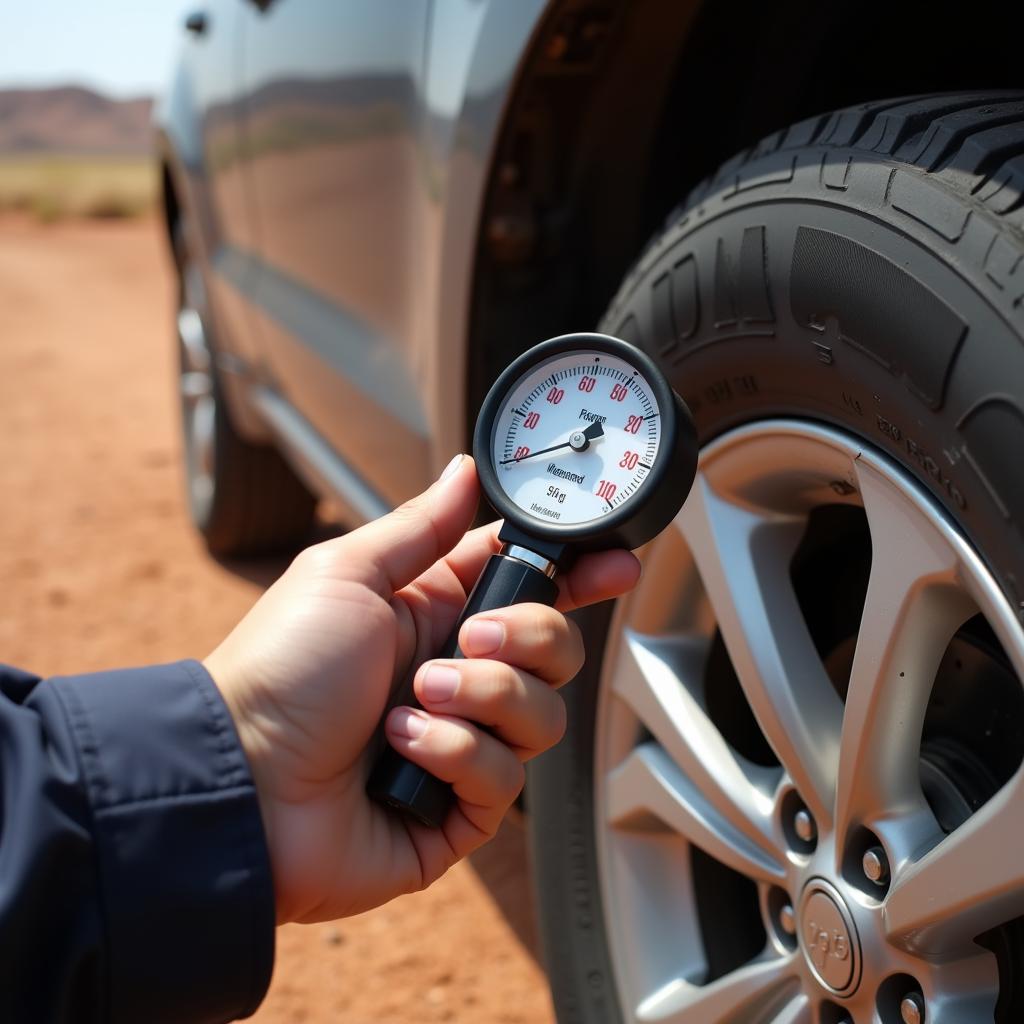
(72, 119)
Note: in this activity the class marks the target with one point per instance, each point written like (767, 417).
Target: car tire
(859, 275)
(243, 498)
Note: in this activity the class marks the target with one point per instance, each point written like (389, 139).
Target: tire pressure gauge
(580, 445)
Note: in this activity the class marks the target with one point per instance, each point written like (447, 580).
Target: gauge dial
(576, 437)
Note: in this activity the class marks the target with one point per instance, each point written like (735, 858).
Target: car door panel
(332, 159)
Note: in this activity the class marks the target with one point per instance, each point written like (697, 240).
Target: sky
(123, 48)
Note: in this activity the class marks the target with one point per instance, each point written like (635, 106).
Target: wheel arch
(592, 156)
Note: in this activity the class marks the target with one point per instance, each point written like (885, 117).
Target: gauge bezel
(668, 482)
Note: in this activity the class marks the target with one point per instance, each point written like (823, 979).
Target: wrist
(254, 747)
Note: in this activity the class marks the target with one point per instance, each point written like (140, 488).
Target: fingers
(598, 577)
(533, 637)
(483, 716)
(482, 771)
(392, 551)
(517, 707)
(441, 589)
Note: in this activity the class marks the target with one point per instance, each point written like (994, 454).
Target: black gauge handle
(397, 782)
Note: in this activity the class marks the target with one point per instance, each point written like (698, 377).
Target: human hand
(308, 671)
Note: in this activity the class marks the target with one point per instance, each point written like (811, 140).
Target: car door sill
(316, 461)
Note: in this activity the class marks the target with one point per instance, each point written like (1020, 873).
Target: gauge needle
(579, 442)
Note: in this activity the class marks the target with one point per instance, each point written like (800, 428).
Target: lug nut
(803, 825)
(787, 920)
(912, 1009)
(875, 865)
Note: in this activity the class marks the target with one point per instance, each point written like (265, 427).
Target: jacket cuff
(184, 871)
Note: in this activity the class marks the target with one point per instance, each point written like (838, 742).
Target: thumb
(393, 550)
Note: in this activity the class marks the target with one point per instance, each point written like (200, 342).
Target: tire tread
(981, 160)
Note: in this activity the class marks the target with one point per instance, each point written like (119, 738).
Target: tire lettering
(853, 403)
(824, 353)
(890, 429)
(924, 461)
(936, 472)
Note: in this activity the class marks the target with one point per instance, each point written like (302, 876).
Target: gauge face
(576, 437)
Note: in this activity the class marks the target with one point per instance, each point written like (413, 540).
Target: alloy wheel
(808, 760)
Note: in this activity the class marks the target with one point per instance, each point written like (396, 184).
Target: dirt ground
(100, 568)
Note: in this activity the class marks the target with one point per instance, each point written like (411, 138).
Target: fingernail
(452, 466)
(439, 683)
(407, 723)
(483, 636)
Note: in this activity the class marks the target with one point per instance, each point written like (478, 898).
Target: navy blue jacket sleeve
(135, 882)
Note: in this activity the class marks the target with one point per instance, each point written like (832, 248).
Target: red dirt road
(100, 568)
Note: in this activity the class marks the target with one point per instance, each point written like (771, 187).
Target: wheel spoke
(796, 1011)
(914, 605)
(743, 559)
(728, 999)
(195, 350)
(195, 385)
(971, 881)
(648, 791)
(659, 682)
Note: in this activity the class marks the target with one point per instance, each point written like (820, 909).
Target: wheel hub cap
(828, 938)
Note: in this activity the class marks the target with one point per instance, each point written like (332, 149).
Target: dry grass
(52, 187)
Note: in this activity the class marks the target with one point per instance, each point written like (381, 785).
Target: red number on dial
(521, 452)
(619, 392)
(629, 460)
(532, 420)
(555, 395)
(606, 489)
(633, 424)
(587, 383)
